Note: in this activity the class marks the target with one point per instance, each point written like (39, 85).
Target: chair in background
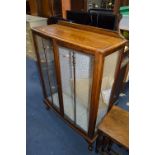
(103, 18)
(94, 17)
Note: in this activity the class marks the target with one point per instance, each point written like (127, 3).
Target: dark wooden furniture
(103, 16)
(78, 66)
(45, 8)
(114, 128)
(95, 17)
(65, 6)
(85, 5)
(27, 7)
(80, 5)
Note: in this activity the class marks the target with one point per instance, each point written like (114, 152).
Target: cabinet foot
(47, 107)
(90, 147)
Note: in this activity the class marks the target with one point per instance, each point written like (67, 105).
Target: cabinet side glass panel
(109, 69)
(46, 55)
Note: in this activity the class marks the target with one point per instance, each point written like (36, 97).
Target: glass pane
(76, 74)
(84, 69)
(108, 78)
(66, 66)
(48, 69)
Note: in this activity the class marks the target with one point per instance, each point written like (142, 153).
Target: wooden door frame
(58, 75)
(95, 93)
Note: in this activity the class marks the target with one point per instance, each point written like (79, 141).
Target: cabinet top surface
(94, 41)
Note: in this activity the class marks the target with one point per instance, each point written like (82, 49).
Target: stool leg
(98, 143)
(104, 144)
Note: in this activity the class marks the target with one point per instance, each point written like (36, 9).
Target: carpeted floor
(47, 134)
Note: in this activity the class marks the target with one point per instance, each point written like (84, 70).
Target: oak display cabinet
(78, 68)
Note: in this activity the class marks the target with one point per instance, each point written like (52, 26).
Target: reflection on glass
(76, 74)
(48, 69)
(65, 57)
(110, 64)
(84, 69)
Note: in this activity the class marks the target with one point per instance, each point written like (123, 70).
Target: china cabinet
(78, 68)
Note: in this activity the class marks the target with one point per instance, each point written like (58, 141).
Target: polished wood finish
(80, 5)
(92, 29)
(33, 7)
(66, 5)
(86, 39)
(97, 81)
(115, 125)
(46, 8)
(57, 7)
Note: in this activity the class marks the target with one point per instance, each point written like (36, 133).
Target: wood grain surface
(116, 126)
(85, 39)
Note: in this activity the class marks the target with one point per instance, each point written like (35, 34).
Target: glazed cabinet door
(47, 67)
(76, 77)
